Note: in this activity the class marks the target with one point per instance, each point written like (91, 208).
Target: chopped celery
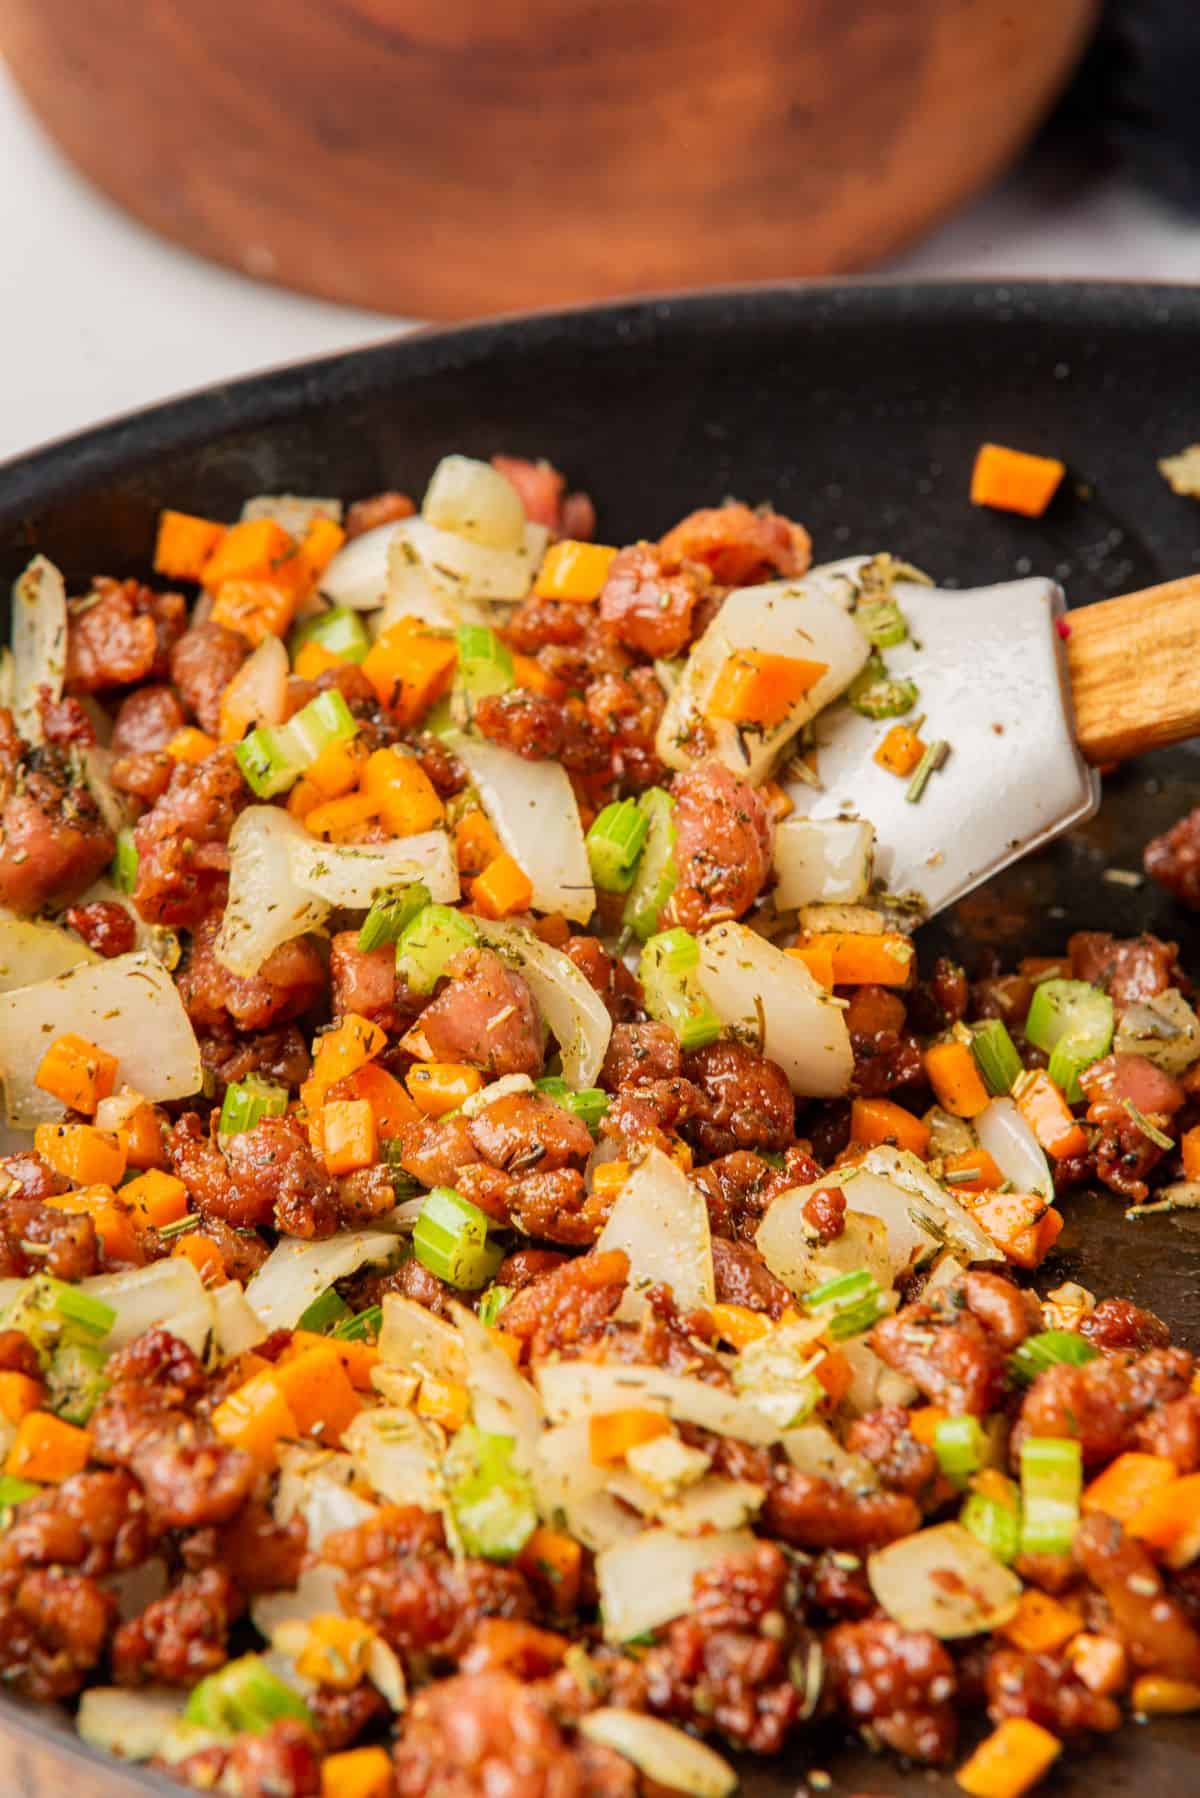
(248, 1101)
(996, 1525)
(364, 1326)
(1051, 1484)
(451, 1240)
(14, 1491)
(1047, 1349)
(961, 1446)
(1072, 1022)
(874, 694)
(881, 622)
(492, 1501)
(996, 1053)
(274, 756)
(614, 843)
(339, 630)
(853, 1301)
(657, 873)
(590, 1103)
(124, 868)
(391, 913)
(50, 1312)
(75, 1381)
(244, 1697)
(492, 1304)
(777, 1371)
(669, 972)
(429, 942)
(485, 664)
(91, 1314)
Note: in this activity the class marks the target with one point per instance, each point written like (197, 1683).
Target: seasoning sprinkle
(1148, 1129)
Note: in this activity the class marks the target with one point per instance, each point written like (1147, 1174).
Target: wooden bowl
(449, 157)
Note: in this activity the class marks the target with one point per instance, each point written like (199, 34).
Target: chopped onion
(128, 1006)
(873, 1382)
(414, 592)
(414, 1339)
(39, 643)
(358, 575)
(1165, 1030)
(1182, 1195)
(665, 1754)
(352, 874)
(502, 1400)
(294, 511)
(573, 1389)
(317, 1484)
(315, 1595)
(154, 939)
(1003, 1132)
(649, 1580)
(456, 569)
(168, 1292)
(399, 1456)
(661, 1221)
(96, 765)
(568, 1484)
(236, 1327)
(475, 501)
(711, 1504)
(570, 1005)
(504, 1088)
(770, 999)
(790, 618)
(813, 1448)
(948, 1135)
(797, 1258)
(257, 694)
(864, 920)
(532, 808)
(946, 1269)
(295, 1272)
(945, 1581)
(31, 952)
(822, 860)
(132, 1725)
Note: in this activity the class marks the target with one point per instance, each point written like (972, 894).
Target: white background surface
(99, 316)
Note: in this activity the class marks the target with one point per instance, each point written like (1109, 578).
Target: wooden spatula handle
(1135, 671)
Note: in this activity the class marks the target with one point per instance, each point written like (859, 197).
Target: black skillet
(857, 409)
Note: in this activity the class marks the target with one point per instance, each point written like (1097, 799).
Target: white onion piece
(1003, 1132)
(475, 501)
(502, 1400)
(96, 766)
(413, 1339)
(789, 618)
(1165, 1030)
(665, 1754)
(295, 1272)
(351, 874)
(458, 571)
(813, 1448)
(131, 1725)
(648, 1580)
(317, 1484)
(573, 1389)
(769, 998)
(315, 1595)
(569, 1004)
(948, 1135)
(504, 1088)
(168, 1292)
(257, 694)
(945, 1581)
(235, 1324)
(567, 1483)
(399, 1456)
(822, 861)
(358, 575)
(945, 1271)
(267, 904)
(31, 952)
(661, 1222)
(8, 678)
(294, 511)
(802, 1262)
(873, 1382)
(128, 1006)
(712, 1504)
(532, 808)
(39, 643)
(413, 591)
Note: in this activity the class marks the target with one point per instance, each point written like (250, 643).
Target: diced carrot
(116, 1223)
(338, 769)
(510, 1345)
(1169, 1520)
(923, 1422)
(475, 843)
(1011, 1760)
(609, 1177)
(156, 1198)
(384, 1094)
(404, 796)
(1127, 1483)
(335, 1651)
(778, 802)
(359, 1359)
(319, 545)
(340, 820)
(441, 1086)
(348, 1136)
(611, 1434)
(304, 798)
(447, 1402)
(1155, 1695)
(1048, 1115)
(1021, 1224)
(47, 1450)
(410, 667)
(1189, 1144)
(357, 1773)
(257, 549)
(863, 958)
(318, 1393)
(975, 1171)
(875, 1121)
(954, 1075)
(502, 889)
(558, 1559)
(1099, 1662)
(572, 570)
(256, 1417)
(757, 688)
(81, 1153)
(900, 750)
(205, 1256)
(535, 679)
(1012, 480)
(340, 1052)
(553, 929)
(737, 1324)
(681, 1153)
(313, 659)
(191, 745)
(254, 609)
(20, 1394)
(77, 1073)
(834, 1372)
(1041, 1624)
(184, 545)
(817, 957)
(142, 1135)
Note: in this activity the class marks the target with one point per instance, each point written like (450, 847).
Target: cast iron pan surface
(857, 409)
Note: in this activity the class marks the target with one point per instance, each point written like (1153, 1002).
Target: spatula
(1030, 700)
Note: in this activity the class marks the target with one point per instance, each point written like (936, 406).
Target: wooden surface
(1135, 671)
(454, 157)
